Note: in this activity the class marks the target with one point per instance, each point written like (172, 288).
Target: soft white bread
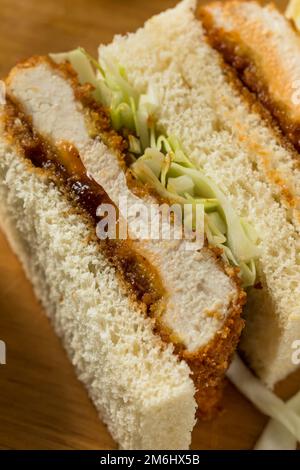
(142, 391)
(202, 302)
(202, 104)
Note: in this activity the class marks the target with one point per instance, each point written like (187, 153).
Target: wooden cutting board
(42, 405)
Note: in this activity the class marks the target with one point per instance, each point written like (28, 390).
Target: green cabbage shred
(161, 161)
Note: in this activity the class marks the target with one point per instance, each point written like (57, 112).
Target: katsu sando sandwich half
(149, 325)
(149, 328)
(238, 138)
(263, 48)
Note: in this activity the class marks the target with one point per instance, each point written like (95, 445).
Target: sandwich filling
(159, 160)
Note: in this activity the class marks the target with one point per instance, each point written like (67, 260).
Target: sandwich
(229, 132)
(160, 118)
(149, 325)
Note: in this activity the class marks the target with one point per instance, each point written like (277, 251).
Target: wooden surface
(42, 405)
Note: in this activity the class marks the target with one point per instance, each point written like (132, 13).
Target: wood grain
(42, 405)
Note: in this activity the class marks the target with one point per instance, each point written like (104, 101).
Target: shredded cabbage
(81, 63)
(266, 401)
(276, 436)
(160, 160)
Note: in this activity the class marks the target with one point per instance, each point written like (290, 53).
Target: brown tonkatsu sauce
(64, 162)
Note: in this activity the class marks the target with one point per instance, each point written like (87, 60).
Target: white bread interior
(239, 150)
(199, 292)
(141, 390)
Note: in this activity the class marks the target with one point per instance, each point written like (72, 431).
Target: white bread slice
(203, 301)
(142, 391)
(263, 47)
(202, 105)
